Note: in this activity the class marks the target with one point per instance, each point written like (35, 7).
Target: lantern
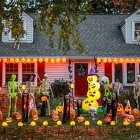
(45, 123)
(20, 124)
(4, 125)
(57, 60)
(120, 109)
(12, 60)
(109, 60)
(52, 60)
(28, 60)
(34, 60)
(16, 60)
(4, 60)
(87, 123)
(34, 114)
(23, 60)
(104, 60)
(46, 60)
(99, 122)
(59, 123)
(40, 60)
(72, 123)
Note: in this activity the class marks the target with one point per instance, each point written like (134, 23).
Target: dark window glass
(118, 72)
(130, 72)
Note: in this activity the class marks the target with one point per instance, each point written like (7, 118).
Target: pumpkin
(34, 114)
(138, 124)
(59, 109)
(17, 116)
(1, 116)
(107, 118)
(136, 113)
(9, 120)
(43, 98)
(55, 116)
(128, 109)
(110, 87)
(80, 119)
(120, 109)
(127, 116)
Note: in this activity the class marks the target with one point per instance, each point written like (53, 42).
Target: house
(112, 39)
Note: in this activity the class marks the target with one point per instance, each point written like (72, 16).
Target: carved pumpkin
(34, 114)
(136, 113)
(80, 119)
(128, 109)
(129, 117)
(59, 109)
(55, 116)
(1, 116)
(17, 116)
(9, 120)
(43, 98)
(107, 118)
(120, 109)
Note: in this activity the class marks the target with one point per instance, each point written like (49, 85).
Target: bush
(60, 88)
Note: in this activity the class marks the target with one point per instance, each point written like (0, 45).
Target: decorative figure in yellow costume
(93, 93)
(13, 87)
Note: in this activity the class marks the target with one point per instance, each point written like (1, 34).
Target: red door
(81, 84)
(108, 71)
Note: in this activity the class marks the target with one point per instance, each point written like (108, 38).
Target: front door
(81, 84)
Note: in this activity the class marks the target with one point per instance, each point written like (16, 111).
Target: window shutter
(40, 71)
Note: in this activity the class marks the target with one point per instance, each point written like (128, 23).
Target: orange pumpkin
(107, 118)
(9, 120)
(136, 113)
(128, 109)
(55, 116)
(72, 113)
(129, 117)
(120, 109)
(34, 114)
(80, 119)
(17, 116)
(59, 109)
(43, 98)
(1, 116)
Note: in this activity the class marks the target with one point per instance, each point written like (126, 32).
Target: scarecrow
(13, 85)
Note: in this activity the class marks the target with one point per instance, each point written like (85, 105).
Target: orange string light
(23, 60)
(28, 60)
(52, 60)
(104, 60)
(46, 60)
(64, 60)
(98, 60)
(16, 60)
(40, 60)
(109, 60)
(34, 60)
(4, 60)
(57, 60)
(121, 60)
(12, 60)
(115, 60)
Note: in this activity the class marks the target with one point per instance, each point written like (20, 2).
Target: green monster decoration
(13, 85)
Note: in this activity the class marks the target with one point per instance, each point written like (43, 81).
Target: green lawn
(66, 133)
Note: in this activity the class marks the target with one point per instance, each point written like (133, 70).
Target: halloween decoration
(93, 93)
(16, 116)
(136, 113)
(1, 116)
(80, 119)
(34, 114)
(59, 110)
(128, 109)
(9, 120)
(108, 118)
(25, 104)
(93, 112)
(54, 115)
(128, 117)
(118, 87)
(13, 85)
(120, 109)
(137, 92)
(79, 103)
(44, 94)
(72, 113)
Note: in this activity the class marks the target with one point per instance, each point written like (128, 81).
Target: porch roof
(99, 33)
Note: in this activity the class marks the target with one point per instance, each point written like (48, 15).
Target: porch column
(113, 72)
(124, 65)
(20, 72)
(3, 73)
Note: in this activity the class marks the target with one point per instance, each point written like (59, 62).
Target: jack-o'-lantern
(92, 78)
(128, 109)
(80, 119)
(130, 117)
(59, 109)
(1, 116)
(120, 109)
(126, 120)
(34, 114)
(43, 98)
(9, 120)
(94, 85)
(17, 116)
(88, 103)
(94, 94)
(72, 113)
(136, 113)
(107, 118)
(54, 115)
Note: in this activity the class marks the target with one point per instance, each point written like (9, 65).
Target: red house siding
(108, 71)
(40, 71)
(0, 73)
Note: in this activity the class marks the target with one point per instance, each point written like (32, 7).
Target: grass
(64, 132)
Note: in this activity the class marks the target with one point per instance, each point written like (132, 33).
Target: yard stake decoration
(4, 125)
(87, 123)
(112, 123)
(45, 124)
(20, 125)
(72, 123)
(33, 124)
(99, 123)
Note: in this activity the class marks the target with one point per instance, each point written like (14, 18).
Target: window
(136, 30)
(11, 68)
(27, 69)
(118, 72)
(130, 72)
(23, 37)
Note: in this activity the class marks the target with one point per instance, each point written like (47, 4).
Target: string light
(28, 60)
(121, 60)
(52, 60)
(57, 60)
(40, 60)
(12, 60)
(34, 60)
(4, 60)
(64, 60)
(23, 60)
(115, 60)
(105, 60)
(109, 60)
(98, 60)
(127, 60)
(46, 60)
(16, 60)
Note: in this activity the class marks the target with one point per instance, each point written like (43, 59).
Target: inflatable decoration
(59, 109)
(93, 93)
(128, 117)
(93, 112)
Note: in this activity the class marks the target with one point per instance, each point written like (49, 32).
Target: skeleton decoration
(118, 87)
(30, 91)
(45, 95)
(137, 92)
(13, 85)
